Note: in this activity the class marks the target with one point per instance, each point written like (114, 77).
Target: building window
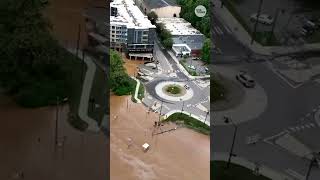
(113, 27)
(113, 31)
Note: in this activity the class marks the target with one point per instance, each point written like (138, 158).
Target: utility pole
(313, 161)
(78, 39)
(256, 23)
(56, 125)
(206, 117)
(160, 112)
(82, 66)
(274, 23)
(227, 120)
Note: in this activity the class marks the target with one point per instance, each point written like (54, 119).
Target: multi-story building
(130, 30)
(186, 39)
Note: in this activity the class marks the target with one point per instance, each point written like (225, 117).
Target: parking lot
(292, 26)
(196, 65)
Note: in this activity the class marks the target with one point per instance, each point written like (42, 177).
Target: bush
(190, 122)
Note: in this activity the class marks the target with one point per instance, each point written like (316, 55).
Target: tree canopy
(121, 83)
(206, 54)
(31, 67)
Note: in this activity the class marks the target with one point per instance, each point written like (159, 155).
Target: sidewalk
(207, 121)
(245, 38)
(85, 95)
(263, 170)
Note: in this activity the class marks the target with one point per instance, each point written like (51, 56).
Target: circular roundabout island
(173, 91)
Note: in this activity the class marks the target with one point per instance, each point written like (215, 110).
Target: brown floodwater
(27, 145)
(66, 16)
(175, 155)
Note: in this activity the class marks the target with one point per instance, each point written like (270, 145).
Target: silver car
(245, 79)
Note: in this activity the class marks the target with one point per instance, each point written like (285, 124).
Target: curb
(137, 90)
(263, 170)
(84, 98)
(186, 113)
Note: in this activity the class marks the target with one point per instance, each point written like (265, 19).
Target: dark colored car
(245, 79)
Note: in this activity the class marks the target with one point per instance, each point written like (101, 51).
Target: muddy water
(66, 16)
(131, 66)
(83, 156)
(176, 155)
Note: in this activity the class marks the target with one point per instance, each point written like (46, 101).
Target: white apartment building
(130, 30)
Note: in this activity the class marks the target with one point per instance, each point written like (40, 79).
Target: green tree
(120, 82)
(167, 43)
(31, 67)
(153, 17)
(206, 54)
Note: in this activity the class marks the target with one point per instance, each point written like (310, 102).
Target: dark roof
(193, 41)
(151, 4)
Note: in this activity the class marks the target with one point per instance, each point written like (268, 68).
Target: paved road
(229, 47)
(286, 108)
(200, 95)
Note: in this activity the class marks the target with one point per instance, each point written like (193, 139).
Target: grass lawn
(173, 89)
(315, 38)
(189, 122)
(141, 91)
(267, 39)
(99, 93)
(217, 90)
(218, 171)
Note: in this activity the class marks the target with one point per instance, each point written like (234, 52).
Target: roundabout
(173, 91)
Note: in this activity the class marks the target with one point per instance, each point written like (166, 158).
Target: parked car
(263, 18)
(191, 67)
(245, 79)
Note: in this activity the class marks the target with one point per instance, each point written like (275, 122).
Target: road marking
(228, 30)
(314, 110)
(309, 114)
(312, 125)
(189, 105)
(308, 126)
(298, 128)
(302, 127)
(295, 174)
(218, 30)
(267, 140)
(292, 129)
(281, 76)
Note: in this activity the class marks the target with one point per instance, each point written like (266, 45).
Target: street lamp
(313, 162)
(182, 105)
(229, 120)
(206, 117)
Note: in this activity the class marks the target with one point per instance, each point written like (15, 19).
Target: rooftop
(130, 15)
(151, 4)
(178, 26)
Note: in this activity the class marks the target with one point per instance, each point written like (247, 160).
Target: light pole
(313, 162)
(182, 106)
(160, 112)
(56, 125)
(228, 120)
(206, 117)
(256, 23)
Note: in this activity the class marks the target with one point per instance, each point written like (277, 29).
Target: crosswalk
(302, 127)
(218, 31)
